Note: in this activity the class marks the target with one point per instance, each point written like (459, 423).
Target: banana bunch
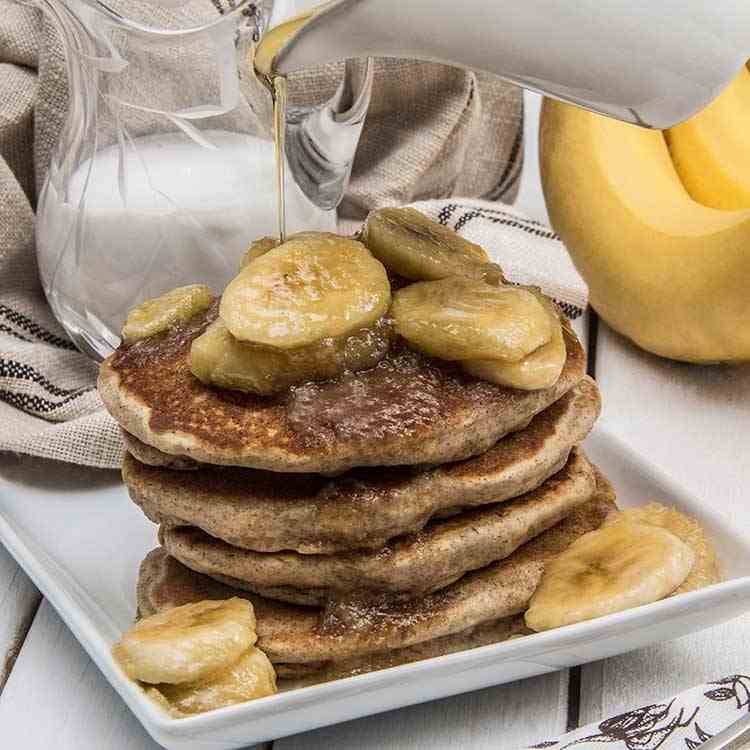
(638, 556)
(197, 657)
(658, 224)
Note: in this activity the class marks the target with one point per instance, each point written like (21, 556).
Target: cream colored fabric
(432, 132)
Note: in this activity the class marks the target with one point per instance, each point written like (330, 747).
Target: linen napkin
(683, 722)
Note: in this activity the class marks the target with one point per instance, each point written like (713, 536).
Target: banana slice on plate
(251, 676)
(619, 566)
(540, 369)
(459, 318)
(417, 248)
(311, 287)
(216, 357)
(706, 570)
(187, 643)
(156, 315)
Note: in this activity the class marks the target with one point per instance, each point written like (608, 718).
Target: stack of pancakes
(382, 517)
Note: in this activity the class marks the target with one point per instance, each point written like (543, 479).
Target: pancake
(494, 631)
(413, 565)
(409, 409)
(365, 507)
(150, 456)
(351, 628)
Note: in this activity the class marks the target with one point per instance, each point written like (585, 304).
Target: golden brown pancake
(493, 631)
(365, 507)
(409, 409)
(354, 628)
(410, 566)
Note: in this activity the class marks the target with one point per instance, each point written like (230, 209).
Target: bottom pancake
(409, 566)
(353, 628)
(493, 631)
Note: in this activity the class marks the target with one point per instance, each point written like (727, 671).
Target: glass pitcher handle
(321, 141)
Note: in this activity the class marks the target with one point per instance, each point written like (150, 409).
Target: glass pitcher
(164, 170)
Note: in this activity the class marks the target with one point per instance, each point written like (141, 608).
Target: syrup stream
(279, 94)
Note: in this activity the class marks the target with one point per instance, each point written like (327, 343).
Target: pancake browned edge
(409, 409)
(410, 566)
(365, 507)
(350, 629)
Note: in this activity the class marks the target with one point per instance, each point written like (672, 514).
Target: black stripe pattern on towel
(22, 324)
(36, 404)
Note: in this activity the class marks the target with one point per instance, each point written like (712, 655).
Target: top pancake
(410, 409)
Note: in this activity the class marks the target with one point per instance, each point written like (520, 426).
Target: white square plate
(81, 541)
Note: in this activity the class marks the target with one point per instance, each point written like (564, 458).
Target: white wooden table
(694, 421)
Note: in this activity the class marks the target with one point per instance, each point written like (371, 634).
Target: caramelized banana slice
(262, 245)
(251, 676)
(537, 370)
(614, 568)
(257, 249)
(216, 357)
(706, 569)
(459, 319)
(187, 643)
(156, 315)
(309, 288)
(417, 248)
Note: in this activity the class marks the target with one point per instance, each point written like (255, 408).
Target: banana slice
(305, 290)
(251, 676)
(262, 245)
(537, 370)
(216, 357)
(156, 315)
(460, 318)
(187, 643)
(417, 248)
(706, 570)
(258, 248)
(614, 568)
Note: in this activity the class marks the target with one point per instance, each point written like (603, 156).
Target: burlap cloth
(432, 132)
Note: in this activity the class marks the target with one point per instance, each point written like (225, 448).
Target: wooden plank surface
(56, 697)
(510, 716)
(694, 422)
(19, 600)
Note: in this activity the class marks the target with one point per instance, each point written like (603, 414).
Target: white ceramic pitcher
(651, 62)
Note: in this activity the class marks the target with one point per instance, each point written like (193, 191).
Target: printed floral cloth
(683, 723)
